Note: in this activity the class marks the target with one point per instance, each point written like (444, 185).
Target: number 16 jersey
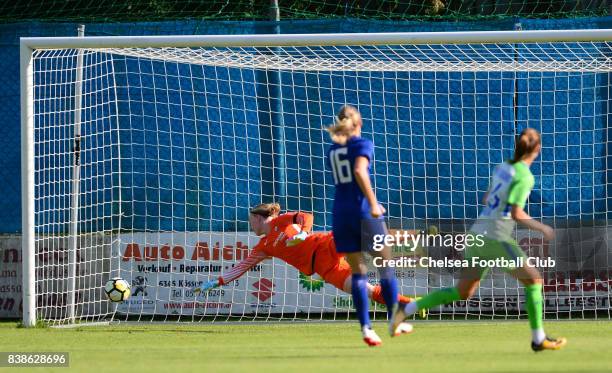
(349, 199)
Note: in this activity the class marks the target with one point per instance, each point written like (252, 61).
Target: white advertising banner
(10, 277)
(164, 268)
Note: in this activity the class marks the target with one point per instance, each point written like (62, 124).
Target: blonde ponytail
(341, 130)
(346, 123)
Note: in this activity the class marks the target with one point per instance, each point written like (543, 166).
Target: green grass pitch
(317, 347)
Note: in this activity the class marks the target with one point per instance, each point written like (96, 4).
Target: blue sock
(388, 284)
(359, 289)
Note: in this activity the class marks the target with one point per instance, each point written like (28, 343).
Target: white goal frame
(29, 45)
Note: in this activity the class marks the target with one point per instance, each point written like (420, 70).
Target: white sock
(538, 336)
(411, 308)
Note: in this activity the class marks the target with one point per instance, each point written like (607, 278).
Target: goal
(142, 155)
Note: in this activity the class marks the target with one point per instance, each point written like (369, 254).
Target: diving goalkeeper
(286, 237)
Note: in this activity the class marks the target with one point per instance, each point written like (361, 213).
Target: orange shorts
(331, 266)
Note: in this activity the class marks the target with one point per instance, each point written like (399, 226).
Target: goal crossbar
(279, 40)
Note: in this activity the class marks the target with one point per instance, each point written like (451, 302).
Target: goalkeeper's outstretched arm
(238, 270)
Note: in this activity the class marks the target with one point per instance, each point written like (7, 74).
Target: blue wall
(433, 147)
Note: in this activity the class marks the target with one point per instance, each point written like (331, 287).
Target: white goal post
(141, 156)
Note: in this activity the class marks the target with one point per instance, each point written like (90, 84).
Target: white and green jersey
(510, 185)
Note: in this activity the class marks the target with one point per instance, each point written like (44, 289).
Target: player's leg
(359, 291)
(388, 282)
(531, 278)
(359, 286)
(336, 271)
(468, 282)
(465, 288)
(348, 243)
(375, 293)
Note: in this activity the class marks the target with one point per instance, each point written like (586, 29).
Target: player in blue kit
(357, 216)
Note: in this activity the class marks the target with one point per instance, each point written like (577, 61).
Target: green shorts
(493, 249)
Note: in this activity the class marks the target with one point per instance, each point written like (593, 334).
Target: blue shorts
(353, 234)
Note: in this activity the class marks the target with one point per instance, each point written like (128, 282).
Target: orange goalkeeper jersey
(274, 244)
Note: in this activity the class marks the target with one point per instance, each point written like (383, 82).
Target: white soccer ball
(117, 289)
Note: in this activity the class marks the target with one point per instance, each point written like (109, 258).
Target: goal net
(142, 156)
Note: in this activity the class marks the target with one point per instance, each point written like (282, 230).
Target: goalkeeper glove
(297, 239)
(206, 287)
